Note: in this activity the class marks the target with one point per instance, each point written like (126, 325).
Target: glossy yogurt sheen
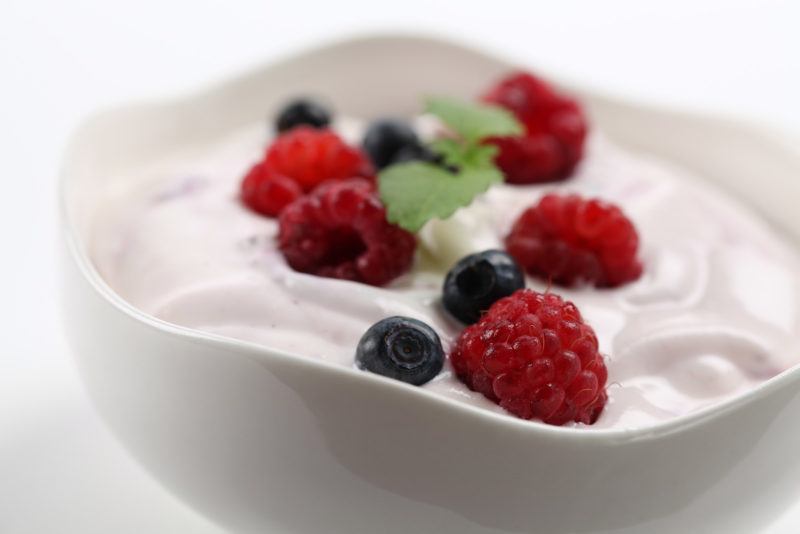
(714, 314)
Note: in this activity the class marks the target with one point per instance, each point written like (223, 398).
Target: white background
(60, 60)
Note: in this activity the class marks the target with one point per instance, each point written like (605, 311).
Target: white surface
(61, 60)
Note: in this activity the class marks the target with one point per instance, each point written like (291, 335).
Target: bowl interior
(371, 76)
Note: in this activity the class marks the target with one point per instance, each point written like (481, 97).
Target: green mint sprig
(473, 121)
(417, 192)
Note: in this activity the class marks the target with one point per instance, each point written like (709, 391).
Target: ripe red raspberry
(533, 355)
(555, 130)
(266, 192)
(569, 240)
(310, 156)
(340, 231)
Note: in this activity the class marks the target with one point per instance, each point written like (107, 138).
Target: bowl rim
(262, 353)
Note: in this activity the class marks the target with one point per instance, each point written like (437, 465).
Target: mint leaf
(460, 154)
(479, 156)
(451, 150)
(474, 121)
(415, 193)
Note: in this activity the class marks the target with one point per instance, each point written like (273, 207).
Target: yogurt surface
(714, 314)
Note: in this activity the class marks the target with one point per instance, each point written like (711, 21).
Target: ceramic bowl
(260, 441)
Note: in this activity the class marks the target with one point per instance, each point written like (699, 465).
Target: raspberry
(571, 240)
(340, 231)
(532, 354)
(555, 129)
(310, 156)
(265, 191)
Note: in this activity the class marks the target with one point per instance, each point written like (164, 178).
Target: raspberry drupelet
(532, 354)
(340, 231)
(555, 130)
(569, 240)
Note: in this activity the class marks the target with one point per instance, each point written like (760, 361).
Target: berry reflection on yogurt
(700, 307)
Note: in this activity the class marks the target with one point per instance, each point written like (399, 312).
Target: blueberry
(302, 111)
(421, 153)
(401, 348)
(416, 152)
(385, 138)
(479, 280)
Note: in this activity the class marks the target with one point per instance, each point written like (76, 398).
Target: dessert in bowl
(250, 409)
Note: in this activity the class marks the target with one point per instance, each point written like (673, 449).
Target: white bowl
(264, 442)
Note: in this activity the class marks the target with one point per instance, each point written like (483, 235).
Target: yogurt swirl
(714, 314)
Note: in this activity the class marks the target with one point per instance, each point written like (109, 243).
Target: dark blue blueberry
(385, 138)
(411, 153)
(401, 348)
(422, 153)
(302, 111)
(478, 281)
